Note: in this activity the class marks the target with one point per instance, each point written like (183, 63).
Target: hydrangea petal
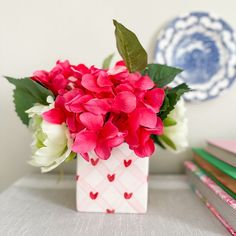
(85, 141)
(58, 83)
(76, 104)
(41, 76)
(85, 156)
(108, 131)
(89, 82)
(145, 150)
(159, 129)
(54, 116)
(80, 70)
(72, 94)
(144, 83)
(117, 69)
(142, 117)
(154, 99)
(97, 106)
(147, 117)
(124, 87)
(125, 101)
(91, 121)
(103, 151)
(116, 141)
(143, 135)
(103, 80)
(73, 123)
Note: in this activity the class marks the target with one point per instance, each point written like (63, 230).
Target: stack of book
(212, 175)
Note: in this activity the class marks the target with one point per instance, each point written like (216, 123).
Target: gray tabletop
(40, 205)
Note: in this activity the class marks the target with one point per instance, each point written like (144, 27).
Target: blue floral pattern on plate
(204, 46)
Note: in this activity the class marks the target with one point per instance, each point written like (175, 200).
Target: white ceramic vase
(116, 185)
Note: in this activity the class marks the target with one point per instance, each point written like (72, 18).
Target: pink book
(222, 202)
(227, 145)
(224, 150)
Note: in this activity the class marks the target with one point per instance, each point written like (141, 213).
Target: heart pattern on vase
(111, 177)
(117, 185)
(93, 196)
(128, 195)
(94, 162)
(110, 211)
(127, 163)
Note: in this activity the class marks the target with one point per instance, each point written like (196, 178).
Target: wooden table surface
(40, 205)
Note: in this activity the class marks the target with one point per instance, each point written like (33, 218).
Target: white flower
(178, 133)
(52, 144)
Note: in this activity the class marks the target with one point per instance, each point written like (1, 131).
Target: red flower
(96, 136)
(104, 108)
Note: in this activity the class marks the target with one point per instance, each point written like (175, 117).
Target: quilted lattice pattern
(118, 184)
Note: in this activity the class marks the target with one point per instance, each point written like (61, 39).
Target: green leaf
(71, 157)
(169, 122)
(26, 93)
(130, 49)
(163, 138)
(157, 141)
(107, 61)
(172, 97)
(161, 74)
(165, 106)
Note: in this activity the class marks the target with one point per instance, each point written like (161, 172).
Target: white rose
(51, 142)
(178, 133)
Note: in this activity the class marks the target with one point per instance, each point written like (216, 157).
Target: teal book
(223, 166)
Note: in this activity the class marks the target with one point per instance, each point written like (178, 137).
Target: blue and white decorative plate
(205, 47)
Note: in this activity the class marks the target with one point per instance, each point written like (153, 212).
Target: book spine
(214, 211)
(226, 182)
(216, 155)
(211, 184)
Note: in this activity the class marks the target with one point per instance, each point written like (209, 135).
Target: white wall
(34, 34)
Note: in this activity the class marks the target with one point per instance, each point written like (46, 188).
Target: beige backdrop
(34, 34)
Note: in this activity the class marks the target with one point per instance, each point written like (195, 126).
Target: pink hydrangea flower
(97, 135)
(104, 108)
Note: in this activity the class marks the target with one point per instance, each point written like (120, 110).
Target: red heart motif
(128, 195)
(93, 196)
(110, 211)
(77, 177)
(94, 162)
(127, 163)
(111, 177)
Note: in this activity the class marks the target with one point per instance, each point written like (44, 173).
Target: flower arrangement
(77, 109)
